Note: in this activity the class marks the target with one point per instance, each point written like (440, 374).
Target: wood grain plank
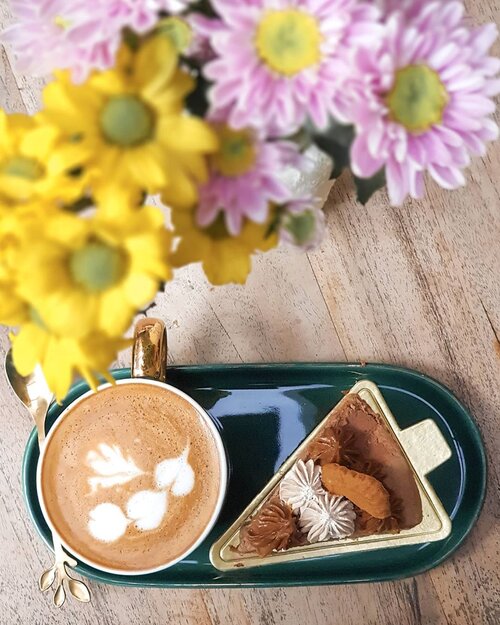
(10, 96)
(408, 602)
(278, 315)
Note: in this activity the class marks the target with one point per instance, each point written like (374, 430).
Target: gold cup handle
(149, 354)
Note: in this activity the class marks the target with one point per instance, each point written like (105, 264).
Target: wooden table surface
(417, 286)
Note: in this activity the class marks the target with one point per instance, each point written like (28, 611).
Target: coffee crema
(131, 477)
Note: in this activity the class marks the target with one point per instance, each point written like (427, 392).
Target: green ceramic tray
(264, 412)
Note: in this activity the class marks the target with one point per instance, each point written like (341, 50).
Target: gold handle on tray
(149, 354)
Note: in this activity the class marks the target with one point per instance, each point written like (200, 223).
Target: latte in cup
(131, 477)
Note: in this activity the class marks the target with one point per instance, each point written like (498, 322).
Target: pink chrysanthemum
(74, 34)
(424, 98)
(245, 178)
(280, 61)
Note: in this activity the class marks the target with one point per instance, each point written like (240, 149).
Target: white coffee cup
(148, 368)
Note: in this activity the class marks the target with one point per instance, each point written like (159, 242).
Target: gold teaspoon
(35, 395)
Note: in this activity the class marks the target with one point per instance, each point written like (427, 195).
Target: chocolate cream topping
(325, 448)
(274, 527)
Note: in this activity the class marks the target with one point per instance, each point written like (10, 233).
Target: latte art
(111, 467)
(177, 473)
(107, 522)
(131, 477)
(147, 508)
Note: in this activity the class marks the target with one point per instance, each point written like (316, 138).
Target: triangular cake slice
(351, 480)
(356, 483)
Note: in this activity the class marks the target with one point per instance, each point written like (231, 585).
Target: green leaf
(131, 39)
(302, 138)
(366, 187)
(336, 142)
(342, 134)
(274, 223)
(197, 100)
(338, 153)
(205, 7)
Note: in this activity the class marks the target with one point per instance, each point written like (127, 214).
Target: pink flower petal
(397, 182)
(447, 177)
(363, 164)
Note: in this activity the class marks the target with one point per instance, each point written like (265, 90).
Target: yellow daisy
(133, 121)
(62, 357)
(224, 258)
(114, 201)
(85, 275)
(13, 309)
(36, 163)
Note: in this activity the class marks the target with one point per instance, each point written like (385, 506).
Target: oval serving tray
(264, 412)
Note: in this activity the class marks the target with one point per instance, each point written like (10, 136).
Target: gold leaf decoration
(47, 579)
(59, 596)
(79, 590)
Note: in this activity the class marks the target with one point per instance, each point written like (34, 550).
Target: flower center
(62, 22)
(97, 266)
(178, 31)
(301, 226)
(36, 318)
(417, 99)
(236, 155)
(288, 41)
(22, 167)
(127, 121)
(217, 230)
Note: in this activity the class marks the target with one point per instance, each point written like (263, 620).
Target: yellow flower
(224, 258)
(13, 309)
(62, 357)
(93, 274)
(116, 201)
(36, 163)
(15, 221)
(133, 121)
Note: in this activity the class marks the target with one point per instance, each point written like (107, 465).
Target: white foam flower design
(301, 485)
(107, 523)
(147, 508)
(327, 518)
(177, 474)
(111, 467)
